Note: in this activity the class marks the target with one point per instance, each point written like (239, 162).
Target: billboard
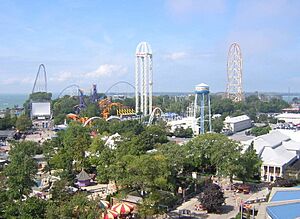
(40, 109)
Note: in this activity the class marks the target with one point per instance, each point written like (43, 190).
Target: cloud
(16, 80)
(62, 77)
(107, 70)
(176, 56)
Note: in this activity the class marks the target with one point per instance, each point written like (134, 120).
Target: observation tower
(143, 79)
(202, 101)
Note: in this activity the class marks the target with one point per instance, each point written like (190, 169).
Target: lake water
(10, 100)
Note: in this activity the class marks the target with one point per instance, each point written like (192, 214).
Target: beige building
(238, 123)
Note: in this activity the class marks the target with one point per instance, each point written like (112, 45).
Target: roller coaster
(107, 107)
(43, 87)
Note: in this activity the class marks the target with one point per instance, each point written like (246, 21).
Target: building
(40, 114)
(6, 135)
(284, 203)
(289, 118)
(83, 179)
(186, 122)
(277, 152)
(238, 123)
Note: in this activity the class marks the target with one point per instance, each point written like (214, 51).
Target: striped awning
(110, 214)
(123, 208)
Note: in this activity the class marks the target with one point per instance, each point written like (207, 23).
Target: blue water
(10, 100)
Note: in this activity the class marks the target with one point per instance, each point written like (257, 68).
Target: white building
(289, 118)
(238, 123)
(41, 114)
(186, 122)
(277, 151)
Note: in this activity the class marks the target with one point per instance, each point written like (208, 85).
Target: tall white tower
(143, 79)
(234, 89)
(202, 93)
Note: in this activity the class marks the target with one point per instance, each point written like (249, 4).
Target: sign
(194, 175)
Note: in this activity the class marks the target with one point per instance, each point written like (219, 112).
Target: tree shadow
(226, 209)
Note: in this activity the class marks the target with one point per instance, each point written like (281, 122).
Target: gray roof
(82, 176)
(274, 138)
(7, 133)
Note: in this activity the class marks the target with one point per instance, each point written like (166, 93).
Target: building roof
(133, 199)
(292, 134)
(274, 148)
(291, 145)
(7, 133)
(288, 116)
(285, 211)
(286, 195)
(278, 156)
(284, 203)
(82, 176)
(274, 138)
(236, 119)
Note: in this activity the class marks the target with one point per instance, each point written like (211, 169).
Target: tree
(212, 198)
(7, 122)
(144, 173)
(91, 110)
(183, 133)
(33, 207)
(78, 206)
(76, 140)
(101, 126)
(23, 123)
(21, 171)
(257, 131)
(63, 106)
(250, 164)
(281, 182)
(101, 157)
(176, 156)
(217, 124)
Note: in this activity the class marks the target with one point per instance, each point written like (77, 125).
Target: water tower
(202, 101)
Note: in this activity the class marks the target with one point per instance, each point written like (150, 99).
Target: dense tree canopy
(212, 197)
(8, 121)
(23, 123)
(249, 164)
(257, 131)
(21, 171)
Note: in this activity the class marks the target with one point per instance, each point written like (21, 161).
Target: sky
(86, 42)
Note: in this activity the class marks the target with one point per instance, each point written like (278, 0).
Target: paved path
(41, 136)
(229, 210)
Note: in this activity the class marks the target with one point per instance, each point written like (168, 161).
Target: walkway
(229, 210)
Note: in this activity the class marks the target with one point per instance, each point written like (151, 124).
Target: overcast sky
(86, 42)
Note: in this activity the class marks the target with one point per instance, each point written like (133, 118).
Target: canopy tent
(110, 214)
(123, 208)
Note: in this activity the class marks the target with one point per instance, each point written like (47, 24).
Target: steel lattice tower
(143, 79)
(234, 89)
